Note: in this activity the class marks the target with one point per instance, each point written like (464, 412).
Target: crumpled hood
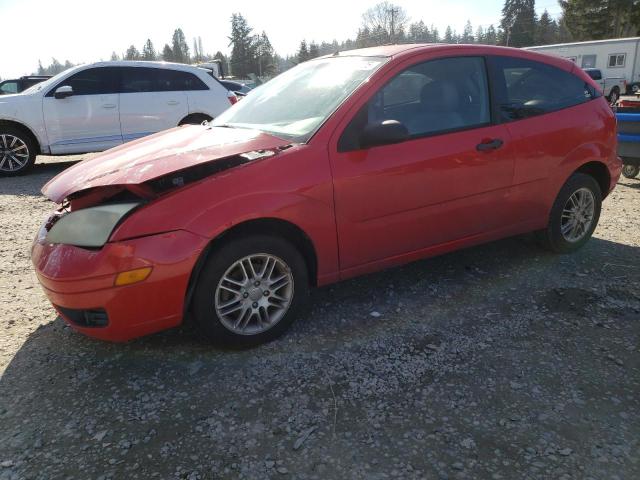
(157, 155)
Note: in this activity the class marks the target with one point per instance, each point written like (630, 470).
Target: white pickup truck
(612, 87)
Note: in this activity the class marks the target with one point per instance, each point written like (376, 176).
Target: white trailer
(616, 58)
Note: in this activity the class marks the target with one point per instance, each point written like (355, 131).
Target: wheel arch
(195, 115)
(270, 226)
(599, 172)
(24, 128)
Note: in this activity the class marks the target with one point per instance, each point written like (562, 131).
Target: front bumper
(79, 280)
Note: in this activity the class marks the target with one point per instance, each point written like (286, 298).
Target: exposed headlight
(89, 227)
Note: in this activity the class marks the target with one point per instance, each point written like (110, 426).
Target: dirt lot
(501, 361)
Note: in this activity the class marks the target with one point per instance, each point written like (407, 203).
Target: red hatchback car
(341, 166)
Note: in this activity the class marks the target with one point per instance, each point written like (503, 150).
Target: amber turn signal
(132, 276)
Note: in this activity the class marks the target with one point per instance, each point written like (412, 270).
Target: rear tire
(250, 291)
(630, 171)
(574, 215)
(18, 151)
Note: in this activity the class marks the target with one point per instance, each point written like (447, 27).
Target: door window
(92, 81)
(429, 98)
(9, 87)
(527, 88)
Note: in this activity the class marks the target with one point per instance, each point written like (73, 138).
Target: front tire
(17, 152)
(574, 215)
(250, 291)
(630, 171)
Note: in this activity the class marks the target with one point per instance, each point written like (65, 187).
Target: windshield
(295, 103)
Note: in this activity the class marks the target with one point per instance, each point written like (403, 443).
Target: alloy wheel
(254, 294)
(14, 153)
(577, 215)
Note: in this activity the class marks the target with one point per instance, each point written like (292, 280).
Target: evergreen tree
(547, 30)
(363, 39)
(596, 20)
(303, 52)
(418, 32)
(518, 22)
(242, 46)
(132, 53)
(179, 47)
(148, 52)
(196, 53)
(314, 51)
(264, 55)
(167, 53)
(435, 35)
(448, 35)
(114, 57)
(467, 33)
(564, 35)
(491, 36)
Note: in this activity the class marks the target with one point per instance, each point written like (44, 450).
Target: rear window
(527, 88)
(143, 79)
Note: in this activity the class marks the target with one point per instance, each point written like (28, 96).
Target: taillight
(232, 98)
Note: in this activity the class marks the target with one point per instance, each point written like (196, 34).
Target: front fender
(297, 189)
(27, 112)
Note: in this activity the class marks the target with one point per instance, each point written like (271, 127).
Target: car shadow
(169, 382)
(356, 308)
(631, 183)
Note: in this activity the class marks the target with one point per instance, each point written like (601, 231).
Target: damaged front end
(88, 216)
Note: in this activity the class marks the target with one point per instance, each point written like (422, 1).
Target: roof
(141, 63)
(395, 50)
(593, 42)
(381, 51)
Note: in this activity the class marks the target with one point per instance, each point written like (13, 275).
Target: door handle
(109, 105)
(173, 102)
(487, 145)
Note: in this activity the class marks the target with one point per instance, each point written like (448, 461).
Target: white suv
(94, 107)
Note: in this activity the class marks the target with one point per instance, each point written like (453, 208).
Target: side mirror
(383, 133)
(63, 92)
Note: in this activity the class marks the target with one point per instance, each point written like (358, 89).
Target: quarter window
(528, 88)
(93, 81)
(617, 60)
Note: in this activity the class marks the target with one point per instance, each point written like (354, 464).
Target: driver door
(89, 119)
(450, 180)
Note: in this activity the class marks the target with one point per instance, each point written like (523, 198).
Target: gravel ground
(500, 361)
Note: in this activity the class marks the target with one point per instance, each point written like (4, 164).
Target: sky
(89, 30)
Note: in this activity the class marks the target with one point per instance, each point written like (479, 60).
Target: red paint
(362, 210)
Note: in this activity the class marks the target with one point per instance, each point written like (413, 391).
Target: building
(616, 58)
